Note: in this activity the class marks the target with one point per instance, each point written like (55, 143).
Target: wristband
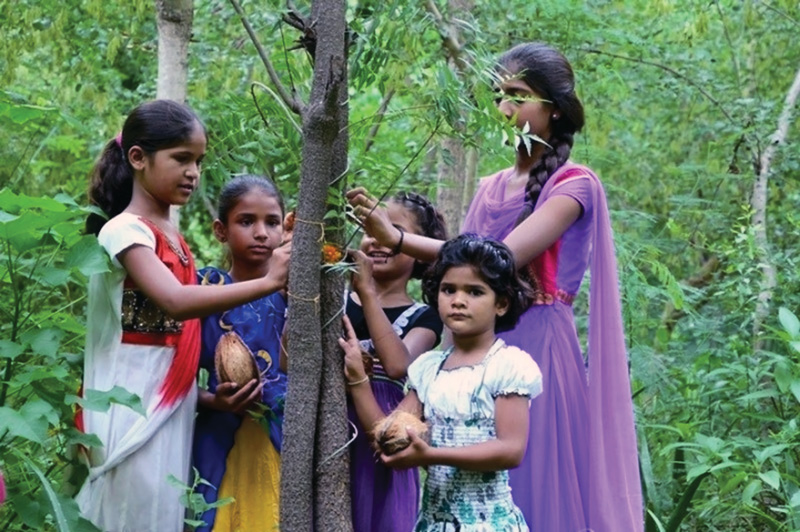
(359, 381)
(396, 250)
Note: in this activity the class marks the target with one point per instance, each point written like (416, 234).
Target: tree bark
(315, 476)
(759, 203)
(332, 474)
(174, 20)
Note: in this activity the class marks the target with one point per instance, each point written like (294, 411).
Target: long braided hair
(545, 70)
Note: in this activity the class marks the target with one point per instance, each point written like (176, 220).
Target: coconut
(390, 434)
(233, 360)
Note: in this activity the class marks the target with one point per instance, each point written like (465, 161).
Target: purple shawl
(613, 466)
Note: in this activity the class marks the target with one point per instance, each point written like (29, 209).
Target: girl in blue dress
(238, 429)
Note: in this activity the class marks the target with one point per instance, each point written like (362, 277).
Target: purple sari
(580, 471)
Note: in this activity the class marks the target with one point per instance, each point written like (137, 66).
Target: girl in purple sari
(580, 470)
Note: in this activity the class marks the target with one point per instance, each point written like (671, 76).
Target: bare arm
(504, 452)
(394, 353)
(368, 410)
(528, 240)
(183, 302)
(377, 224)
(543, 227)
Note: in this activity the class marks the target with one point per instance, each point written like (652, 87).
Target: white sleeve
(122, 232)
(514, 372)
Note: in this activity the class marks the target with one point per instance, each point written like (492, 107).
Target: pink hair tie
(118, 139)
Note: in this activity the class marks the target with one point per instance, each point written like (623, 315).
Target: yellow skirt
(252, 478)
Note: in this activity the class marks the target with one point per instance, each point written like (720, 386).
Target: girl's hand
(353, 363)
(288, 227)
(361, 280)
(373, 217)
(279, 265)
(228, 397)
(415, 455)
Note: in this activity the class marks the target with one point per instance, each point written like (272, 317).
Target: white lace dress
(459, 406)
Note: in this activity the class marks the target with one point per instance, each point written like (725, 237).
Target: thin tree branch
(759, 205)
(398, 176)
(672, 71)
(781, 13)
(449, 37)
(269, 91)
(290, 100)
(730, 43)
(373, 131)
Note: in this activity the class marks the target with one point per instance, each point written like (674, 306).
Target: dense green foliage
(681, 99)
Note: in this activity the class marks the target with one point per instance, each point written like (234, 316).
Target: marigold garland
(331, 253)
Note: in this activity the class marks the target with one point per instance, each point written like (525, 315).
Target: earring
(555, 116)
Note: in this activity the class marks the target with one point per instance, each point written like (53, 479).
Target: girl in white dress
(142, 332)
(474, 395)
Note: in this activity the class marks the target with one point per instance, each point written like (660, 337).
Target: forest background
(690, 124)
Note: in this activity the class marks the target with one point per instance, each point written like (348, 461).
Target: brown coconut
(390, 434)
(233, 360)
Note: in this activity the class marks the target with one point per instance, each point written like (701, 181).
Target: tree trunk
(332, 474)
(457, 168)
(455, 178)
(174, 21)
(315, 476)
(759, 204)
(174, 18)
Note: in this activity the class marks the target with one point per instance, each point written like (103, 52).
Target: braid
(428, 218)
(551, 161)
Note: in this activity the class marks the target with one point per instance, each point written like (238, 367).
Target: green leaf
(58, 512)
(696, 471)
(45, 342)
(750, 491)
(37, 408)
(17, 425)
(789, 322)
(732, 483)
(76, 437)
(795, 387)
(53, 276)
(101, 401)
(30, 511)
(87, 256)
(20, 114)
(773, 478)
(783, 377)
(9, 349)
(684, 503)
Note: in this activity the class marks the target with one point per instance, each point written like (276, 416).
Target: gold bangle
(359, 381)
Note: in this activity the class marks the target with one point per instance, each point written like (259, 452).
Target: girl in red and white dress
(143, 333)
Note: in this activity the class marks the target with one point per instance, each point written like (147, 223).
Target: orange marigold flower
(331, 253)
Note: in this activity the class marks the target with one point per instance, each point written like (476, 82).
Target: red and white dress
(132, 344)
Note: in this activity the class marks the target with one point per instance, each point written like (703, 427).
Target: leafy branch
(290, 100)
